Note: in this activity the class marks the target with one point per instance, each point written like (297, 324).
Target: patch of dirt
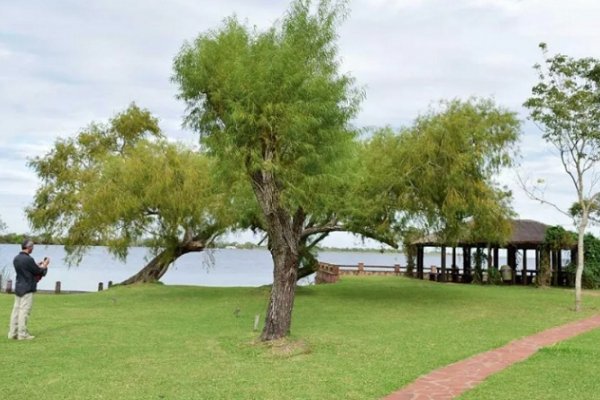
(287, 348)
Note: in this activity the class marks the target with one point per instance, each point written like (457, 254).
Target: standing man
(28, 274)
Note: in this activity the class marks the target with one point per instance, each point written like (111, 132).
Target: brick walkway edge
(450, 381)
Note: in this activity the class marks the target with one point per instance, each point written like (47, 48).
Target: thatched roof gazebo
(526, 235)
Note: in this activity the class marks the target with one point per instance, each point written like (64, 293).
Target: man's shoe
(28, 337)
(13, 337)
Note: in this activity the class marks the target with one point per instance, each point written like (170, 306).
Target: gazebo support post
(537, 261)
(524, 267)
(513, 275)
(555, 268)
(454, 266)
(496, 258)
(443, 264)
(420, 262)
(560, 269)
(467, 264)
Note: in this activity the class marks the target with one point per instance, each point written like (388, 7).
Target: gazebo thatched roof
(527, 232)
(524, 233)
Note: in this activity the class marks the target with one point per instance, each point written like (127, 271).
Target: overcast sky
(66, 63)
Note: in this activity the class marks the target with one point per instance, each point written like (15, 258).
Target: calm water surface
(219, 267)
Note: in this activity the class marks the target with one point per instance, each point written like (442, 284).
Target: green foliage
(74, 162)
(556, 238)
(544, 277)
(119, 184)
(409, 249)
(444, 168)
(479, 259)
(591, 273)
(494, 276)
(273, 101)
(565, 102)
(158, 191)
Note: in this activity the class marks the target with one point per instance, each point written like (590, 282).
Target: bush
(590, 278)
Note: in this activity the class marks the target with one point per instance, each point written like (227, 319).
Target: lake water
(219, 267)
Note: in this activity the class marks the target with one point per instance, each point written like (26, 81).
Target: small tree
(566, 105)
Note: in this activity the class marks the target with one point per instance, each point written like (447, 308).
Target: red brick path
(450, 381)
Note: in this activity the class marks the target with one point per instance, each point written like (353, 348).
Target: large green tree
(565, 103)
(273, 106)
(121, 183)
(445, 167)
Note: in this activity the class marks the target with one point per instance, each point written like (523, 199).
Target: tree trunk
(284, 233)
(278, 320)
(159, 265)
(580, 260)
(284, 240)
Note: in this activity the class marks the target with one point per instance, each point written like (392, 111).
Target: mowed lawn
(361, 338)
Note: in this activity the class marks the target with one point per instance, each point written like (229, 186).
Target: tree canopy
(120, 183)
(445, 167)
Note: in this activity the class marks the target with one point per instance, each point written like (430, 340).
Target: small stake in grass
(256, 319)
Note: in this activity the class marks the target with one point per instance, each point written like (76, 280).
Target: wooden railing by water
(330, 273)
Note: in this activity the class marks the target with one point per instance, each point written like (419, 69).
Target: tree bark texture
(580, 260)
(159, 265)
(284, 234)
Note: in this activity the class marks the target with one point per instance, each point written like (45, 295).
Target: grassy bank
(359, 339)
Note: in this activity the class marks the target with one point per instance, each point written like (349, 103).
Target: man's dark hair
(27, 243)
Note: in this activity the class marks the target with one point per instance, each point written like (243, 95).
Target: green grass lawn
(359, 339)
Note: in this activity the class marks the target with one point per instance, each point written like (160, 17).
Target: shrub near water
(359, 339)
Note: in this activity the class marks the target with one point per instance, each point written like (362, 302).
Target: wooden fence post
(9, 286)
(361, 268)
(57, 287)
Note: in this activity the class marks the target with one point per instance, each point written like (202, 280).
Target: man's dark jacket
(26, 270)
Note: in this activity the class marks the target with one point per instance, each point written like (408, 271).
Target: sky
(64, 64)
